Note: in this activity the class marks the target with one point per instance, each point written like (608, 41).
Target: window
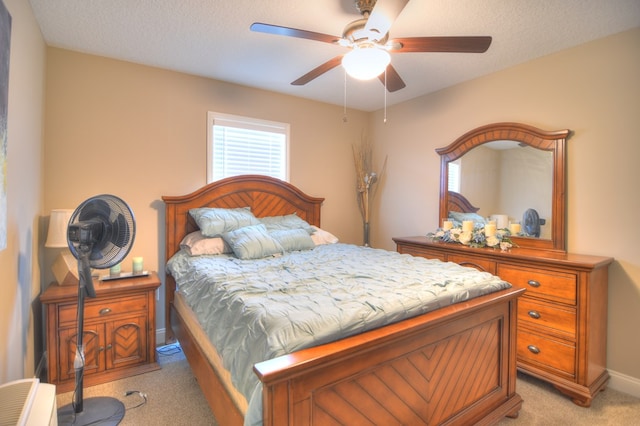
(241, 145)
(453, 178)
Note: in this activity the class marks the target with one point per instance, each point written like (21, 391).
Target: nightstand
(119, 330)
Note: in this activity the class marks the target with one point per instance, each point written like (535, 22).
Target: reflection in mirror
(507, 179)
(509, 173)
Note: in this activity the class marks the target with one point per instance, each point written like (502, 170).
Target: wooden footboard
(455, 365)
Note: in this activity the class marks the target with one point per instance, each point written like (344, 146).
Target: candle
(502, 220)
(114, 271)
(467, 225)
(514, 228)
(490, 229)
(447, 224)
(137, 265)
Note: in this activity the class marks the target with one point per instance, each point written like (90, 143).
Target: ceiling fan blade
(318, 71)
(393, 79)
(382, 16)
(292, 32)
(442, 44)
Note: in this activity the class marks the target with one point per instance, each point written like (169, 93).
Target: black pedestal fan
(100, 234)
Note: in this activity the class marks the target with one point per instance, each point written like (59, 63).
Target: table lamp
(65, 266)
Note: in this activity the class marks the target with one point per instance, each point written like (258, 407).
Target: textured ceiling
(211, 38)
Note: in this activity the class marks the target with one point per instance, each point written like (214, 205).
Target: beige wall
(593, 90)
(20, 261)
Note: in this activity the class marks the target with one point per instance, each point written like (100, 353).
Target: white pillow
(320, 236)
(197, 244)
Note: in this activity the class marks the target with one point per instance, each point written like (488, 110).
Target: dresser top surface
(515, 253)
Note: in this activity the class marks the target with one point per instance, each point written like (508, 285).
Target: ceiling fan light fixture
(365, 63)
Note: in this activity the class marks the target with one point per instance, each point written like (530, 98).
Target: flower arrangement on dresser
(474, 235)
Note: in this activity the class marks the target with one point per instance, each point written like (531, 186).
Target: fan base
(95, 411)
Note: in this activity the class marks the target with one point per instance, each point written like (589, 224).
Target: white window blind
(453, 178)
(241, 145)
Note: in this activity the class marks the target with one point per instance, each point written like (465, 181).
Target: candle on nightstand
(115, 270)
(137, 265)
(467, 225)
(447, 224)
(490, 229)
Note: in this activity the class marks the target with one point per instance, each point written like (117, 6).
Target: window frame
(244, 122)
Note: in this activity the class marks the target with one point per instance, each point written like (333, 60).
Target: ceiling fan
(368, 39)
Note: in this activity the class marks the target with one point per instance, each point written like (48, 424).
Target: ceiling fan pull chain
(344, 114)
(385, 96)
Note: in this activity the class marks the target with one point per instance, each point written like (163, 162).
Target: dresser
(119, 330)
(562, 316)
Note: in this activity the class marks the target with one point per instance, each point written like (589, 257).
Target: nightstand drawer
(555, 286)
(546, 353)
(103, 308)
(540, 314)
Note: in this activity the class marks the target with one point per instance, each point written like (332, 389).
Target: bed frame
(455, 365)
(457, 202)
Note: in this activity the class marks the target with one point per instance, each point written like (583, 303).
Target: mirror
(510, 173)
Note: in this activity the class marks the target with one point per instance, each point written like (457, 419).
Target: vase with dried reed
(366, 180)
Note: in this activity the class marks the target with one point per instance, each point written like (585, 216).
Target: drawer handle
(534, 314)
(105, 311)
(101, 348)
(533, 283)
(109, 346)
(534, 349)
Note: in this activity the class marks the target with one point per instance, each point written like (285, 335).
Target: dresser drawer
(103, 307)
(422, 252)
(536, 313)
(480, 264)
(546, 353)
(554, 286)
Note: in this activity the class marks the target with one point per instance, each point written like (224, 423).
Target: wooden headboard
(265, 196)
(456, 202)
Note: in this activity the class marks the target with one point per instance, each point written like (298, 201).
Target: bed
(452, 365)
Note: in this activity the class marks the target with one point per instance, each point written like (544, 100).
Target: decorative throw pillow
(320, 236)
(293, 239)
(213, 222)
(252, 242)
(197, 244)
(290, 221)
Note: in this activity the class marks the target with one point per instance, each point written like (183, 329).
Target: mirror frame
(554, 141)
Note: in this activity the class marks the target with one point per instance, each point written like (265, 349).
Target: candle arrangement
(473, 235)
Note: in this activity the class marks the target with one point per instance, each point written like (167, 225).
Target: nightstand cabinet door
(127, 342)
(93, 341)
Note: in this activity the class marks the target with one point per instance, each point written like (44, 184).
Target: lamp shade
(365, 63)
(58, 222)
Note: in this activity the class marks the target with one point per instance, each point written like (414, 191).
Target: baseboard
(160, 336)
(623, 383)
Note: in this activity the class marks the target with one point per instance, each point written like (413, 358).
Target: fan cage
(118, 234)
